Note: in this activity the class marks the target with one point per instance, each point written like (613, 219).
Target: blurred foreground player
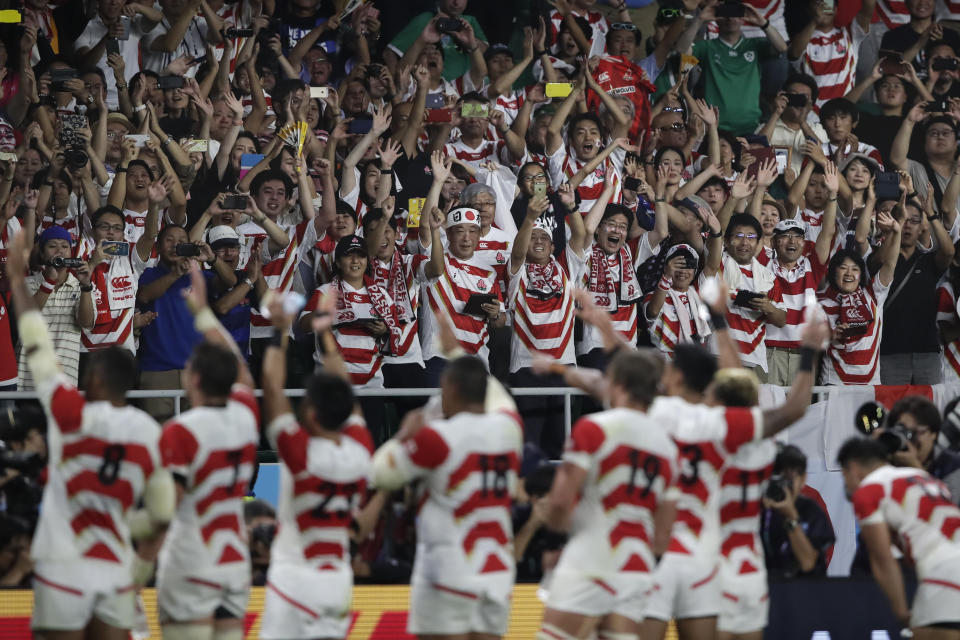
(203, 575)
(918, 510)
(468, 458)
(612, 493)
(103, 459)
(326, 464)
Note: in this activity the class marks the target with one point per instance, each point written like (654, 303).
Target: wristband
(914, 194)
(539, 54)
(205, 320)
(120, 170)
(718, 320)
(659, 199)
(665, 283)
(247, 281)
(385, 172)
(790, 525)
(47, 286)
(833, 199)
(278, 339)
(140, 108)
(808, 356)
(718, 234)
(86, 288)
(121, 86)
(933, 218)
(766, 26)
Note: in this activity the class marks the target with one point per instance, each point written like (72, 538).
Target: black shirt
(910, 319)
(903, 37)
(781, 562)
(875, 129)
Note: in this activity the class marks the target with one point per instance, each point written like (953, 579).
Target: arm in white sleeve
(38, 347)
(498, 398)
(386, 472)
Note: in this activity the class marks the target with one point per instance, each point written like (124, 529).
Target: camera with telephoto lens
(66, 263)
(75, 155)
(895, 438)
(778, 488)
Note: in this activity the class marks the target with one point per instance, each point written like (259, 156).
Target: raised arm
(901, 142)
(892, 250)
(592, 220)
(518, 253)
(828, 229)
(554, 129)
(815, 334)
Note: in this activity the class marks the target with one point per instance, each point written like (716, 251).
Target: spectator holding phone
(943, 71)
(911, 39)
(790, 123)
(674, 309)
(456, 54)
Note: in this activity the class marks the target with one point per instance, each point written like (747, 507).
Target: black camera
(796, 100)
(449, 25)
(75, 155)
(238, 33)
(895, 438)
(66, 263)
(187, 249)
(943, 63)
(778, 488)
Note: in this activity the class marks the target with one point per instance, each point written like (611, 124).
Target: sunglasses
(669, 13)
(623, 26)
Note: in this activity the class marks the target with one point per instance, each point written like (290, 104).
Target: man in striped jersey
(798, 268)
(103, 459)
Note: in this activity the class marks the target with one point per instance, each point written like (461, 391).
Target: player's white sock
(187, 631)
(230, 633)
(550, 632)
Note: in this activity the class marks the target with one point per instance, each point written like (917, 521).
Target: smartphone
(195, 145)
(632, 184)
(199, 59)
(796, 100)
(729, 10)
(887, 185)
(414, 212)
(115, 248)
(943, 63)
(558, 89)
(937, 106)
(59, 75)
(373, 70)
(743, 298)
(540, 188)
(187, 249)
(234, 203)
(140, 139)
(112, 45)
(170, 82)
(761, 155)
(449, 25)
(239, 33)
(782, 155)
(360, 125)
(319, 92)
(10, 16)
(125, 21)
(439, 115)
(474, 110)
(891, 63)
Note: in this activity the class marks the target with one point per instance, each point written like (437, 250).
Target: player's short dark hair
(790, 458)
(115, 367)
(331, 399)
(743, 220)
(217, 367)
(920, 408)
(696, 364)
(638, 372)
(862, 450)
(468, 375)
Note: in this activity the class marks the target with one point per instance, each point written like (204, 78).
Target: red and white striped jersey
(469, 466)
(136, 222)
(950, 10)
(855, 362)
(509, 103)
(493, 251)
(69, 223)
(625, 318)
(540, 324)
(742, 484)
(598, 39)
(115, 283)
(8, 353)
(360, 207)
(322, 483)
(631, 466)
(320, 258)
(705, 437)
(918, 508)
(563, 165)
(474, 156)
(795, 284)
(359, 347)
(280, 270)
(747, 327)
(830, 150)
(831, 58)
(100, 459)
(11, 229)
(665, 329)
(947, 312)
(410, 341)
(211, 452)
(893, 12)
(447, 296)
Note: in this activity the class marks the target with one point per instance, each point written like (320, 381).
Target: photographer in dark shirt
(795, 531)
(924, 448)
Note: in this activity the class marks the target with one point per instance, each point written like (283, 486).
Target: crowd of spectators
(492, 164)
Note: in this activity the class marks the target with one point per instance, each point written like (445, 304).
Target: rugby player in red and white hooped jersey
(733, 258)
(614, 492)
(745, 601)
(467, 453)
(799, 268)
(907, 507)
(103, 459)
(326, 469)
(115, 278)
(452, 276)
(203, 576)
